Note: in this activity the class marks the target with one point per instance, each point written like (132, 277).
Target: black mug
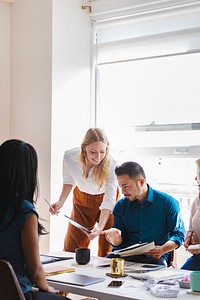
(82, 256)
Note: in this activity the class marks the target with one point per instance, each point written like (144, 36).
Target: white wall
(45, 87)
(31, 85)
(70, 97)
(4, 70)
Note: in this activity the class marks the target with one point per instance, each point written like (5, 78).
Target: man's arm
(176, 233)
(158, 251)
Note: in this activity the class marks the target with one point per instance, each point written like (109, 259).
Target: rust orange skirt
(86, 212)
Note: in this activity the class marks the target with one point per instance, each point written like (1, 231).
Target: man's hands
(113, 236)
(156, 252)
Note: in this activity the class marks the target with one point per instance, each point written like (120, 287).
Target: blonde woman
(90, 172)
(193, 234)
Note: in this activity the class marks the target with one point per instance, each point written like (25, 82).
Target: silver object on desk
(76, 279)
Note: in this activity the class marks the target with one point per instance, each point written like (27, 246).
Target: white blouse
(73, 175)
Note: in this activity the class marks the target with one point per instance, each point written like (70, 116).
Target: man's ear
(142, 181)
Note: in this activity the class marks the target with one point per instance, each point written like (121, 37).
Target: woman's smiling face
(95, 152)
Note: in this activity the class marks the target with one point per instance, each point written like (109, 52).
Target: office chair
(9, 285)
(172, 259)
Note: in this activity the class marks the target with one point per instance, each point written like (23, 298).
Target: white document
(136, 249)
(161, 275)
(194, 247)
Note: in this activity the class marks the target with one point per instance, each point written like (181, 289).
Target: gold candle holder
(117, 266)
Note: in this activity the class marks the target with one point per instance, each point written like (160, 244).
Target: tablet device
(46, 259)
(75, 279)
(76, 224)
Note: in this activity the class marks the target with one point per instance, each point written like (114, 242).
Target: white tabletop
(131, 289)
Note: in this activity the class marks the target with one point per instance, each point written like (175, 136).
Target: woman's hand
(55, 207)
(186, 243)
(52, 290)
(49, 289)
(96, 231)
(190, 240)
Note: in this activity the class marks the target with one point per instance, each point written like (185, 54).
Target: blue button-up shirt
(157, 219)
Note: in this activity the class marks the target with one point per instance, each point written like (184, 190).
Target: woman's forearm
(104, 216)
(66, 189)
(55, 207)
(38, 279)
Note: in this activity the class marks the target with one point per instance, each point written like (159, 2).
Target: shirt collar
(149, 195)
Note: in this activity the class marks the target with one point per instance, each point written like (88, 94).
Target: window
(136, 96)
(147, 81)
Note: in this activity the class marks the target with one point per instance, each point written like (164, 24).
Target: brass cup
(117, 266)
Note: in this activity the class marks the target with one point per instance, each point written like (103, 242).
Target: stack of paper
(161, 275)
(136, 249)
(53, 270)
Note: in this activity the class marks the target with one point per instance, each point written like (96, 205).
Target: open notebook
(75, 279)
(136, 249)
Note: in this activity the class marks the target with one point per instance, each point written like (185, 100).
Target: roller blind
(148, 34)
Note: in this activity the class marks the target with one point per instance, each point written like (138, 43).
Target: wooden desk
(101, 291)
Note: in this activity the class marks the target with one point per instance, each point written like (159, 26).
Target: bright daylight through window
(147, 70)
(159, 91)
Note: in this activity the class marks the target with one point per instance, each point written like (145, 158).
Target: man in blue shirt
(144, 215)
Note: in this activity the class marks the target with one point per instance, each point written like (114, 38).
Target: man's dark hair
(130, 168)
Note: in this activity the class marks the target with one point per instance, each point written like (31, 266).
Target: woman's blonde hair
(100, 172)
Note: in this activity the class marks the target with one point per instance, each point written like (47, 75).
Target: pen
(189, 237)
(50, 205)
